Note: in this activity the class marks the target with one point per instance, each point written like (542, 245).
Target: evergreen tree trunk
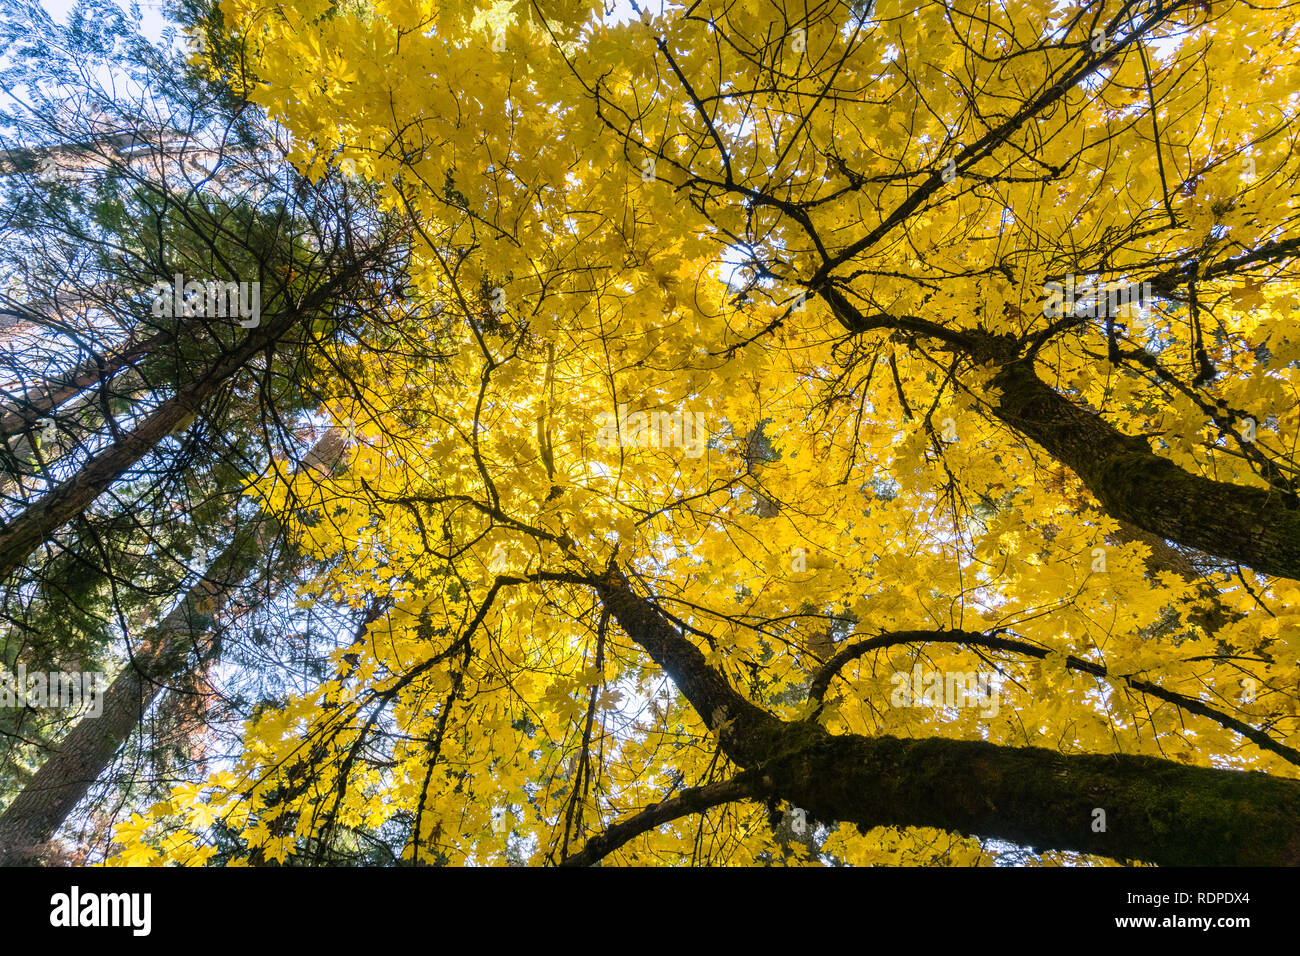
(36, 814)
(36, 523)
(42, 401)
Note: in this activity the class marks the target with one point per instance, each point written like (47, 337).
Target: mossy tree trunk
(1157, 811)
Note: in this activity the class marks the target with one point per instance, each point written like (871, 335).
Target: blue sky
(150, 12)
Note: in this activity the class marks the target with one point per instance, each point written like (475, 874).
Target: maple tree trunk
(1156, 810)
(1257, 527)
(36, 814)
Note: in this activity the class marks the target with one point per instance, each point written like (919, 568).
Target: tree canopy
(805, 431)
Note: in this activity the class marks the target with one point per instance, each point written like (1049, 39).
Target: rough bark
(77, 415)
(128, 145)
(43, 400)
(35, 815)
(1256, 527)
(34, 524)
(1156, 810)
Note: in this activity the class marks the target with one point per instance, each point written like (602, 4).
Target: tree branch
(1155, 810)
(740, 787)
(822, 679)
